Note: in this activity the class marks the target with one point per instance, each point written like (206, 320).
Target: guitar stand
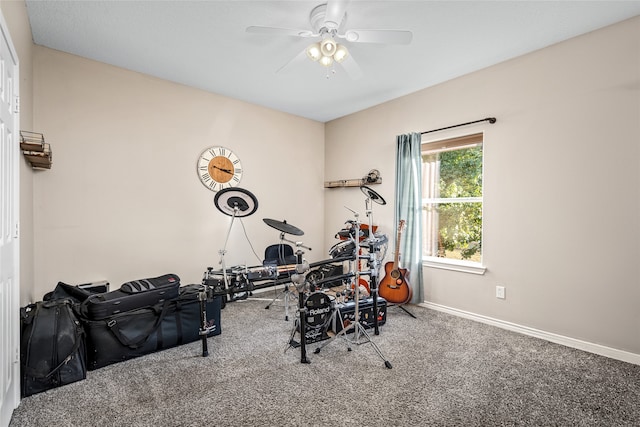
(401, 307)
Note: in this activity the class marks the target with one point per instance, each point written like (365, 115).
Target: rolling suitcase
(131, 295)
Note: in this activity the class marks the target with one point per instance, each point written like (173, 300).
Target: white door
(9, 245)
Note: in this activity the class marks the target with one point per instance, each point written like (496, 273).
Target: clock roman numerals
(219, 168)
(221, 151)
(216, 186)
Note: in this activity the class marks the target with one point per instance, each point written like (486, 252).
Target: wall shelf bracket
(373, 177)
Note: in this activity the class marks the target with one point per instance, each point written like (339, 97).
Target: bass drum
(343, 249)
(319, 307)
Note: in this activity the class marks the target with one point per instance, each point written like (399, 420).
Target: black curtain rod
(488, 119)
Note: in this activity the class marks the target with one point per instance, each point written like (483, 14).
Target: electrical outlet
(500, 292)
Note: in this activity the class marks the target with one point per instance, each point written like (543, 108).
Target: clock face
(219, 168)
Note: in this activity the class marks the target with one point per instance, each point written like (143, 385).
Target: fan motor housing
(317, 20)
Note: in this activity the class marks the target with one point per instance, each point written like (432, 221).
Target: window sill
(454, 265)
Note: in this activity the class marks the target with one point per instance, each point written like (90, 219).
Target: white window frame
(465, 266)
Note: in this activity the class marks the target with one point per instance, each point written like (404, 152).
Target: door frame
(10, 218)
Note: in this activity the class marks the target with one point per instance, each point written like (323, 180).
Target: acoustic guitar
(394, 286)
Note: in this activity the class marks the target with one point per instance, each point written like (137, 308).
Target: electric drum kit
(324, 314)
(342, 313)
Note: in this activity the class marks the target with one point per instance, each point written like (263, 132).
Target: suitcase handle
(137, 286)
(138, 342)
(145, 285)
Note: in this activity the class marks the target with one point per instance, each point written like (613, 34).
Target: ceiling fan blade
(335, 13)
(280, 31)
(352, 68)
(379, 36)
(302, 56)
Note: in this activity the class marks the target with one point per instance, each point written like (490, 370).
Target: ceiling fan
(327, 22)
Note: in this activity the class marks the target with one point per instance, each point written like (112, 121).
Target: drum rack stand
(300, 280)
(360, 334)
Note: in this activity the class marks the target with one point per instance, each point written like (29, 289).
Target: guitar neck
(396, 258)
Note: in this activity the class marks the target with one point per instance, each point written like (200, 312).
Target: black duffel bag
(134, 333)
(52, 346)
(124, 335)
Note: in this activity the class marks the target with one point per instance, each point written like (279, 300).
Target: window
(452, 200)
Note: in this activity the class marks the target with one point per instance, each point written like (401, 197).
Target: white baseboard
(613, 353)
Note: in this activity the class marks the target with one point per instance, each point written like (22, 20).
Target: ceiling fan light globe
(326, 61)
(328, 47)
(340, 54)
(313, 52)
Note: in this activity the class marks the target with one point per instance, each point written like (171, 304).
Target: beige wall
(123, 200)
(562, 179)
(562, 173)
(15, 15)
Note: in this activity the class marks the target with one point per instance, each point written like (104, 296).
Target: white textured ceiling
(203, 44)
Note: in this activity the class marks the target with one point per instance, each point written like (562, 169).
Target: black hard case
(131, 295)
(365, 310)
(134, 333)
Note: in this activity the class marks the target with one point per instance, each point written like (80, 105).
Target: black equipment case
(131, 296)
(347, 314)
(170, 322)
(52, 346)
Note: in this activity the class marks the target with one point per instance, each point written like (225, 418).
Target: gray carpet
(447, 371)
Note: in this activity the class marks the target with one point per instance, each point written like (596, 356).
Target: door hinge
(16, 104)
(17, 231)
